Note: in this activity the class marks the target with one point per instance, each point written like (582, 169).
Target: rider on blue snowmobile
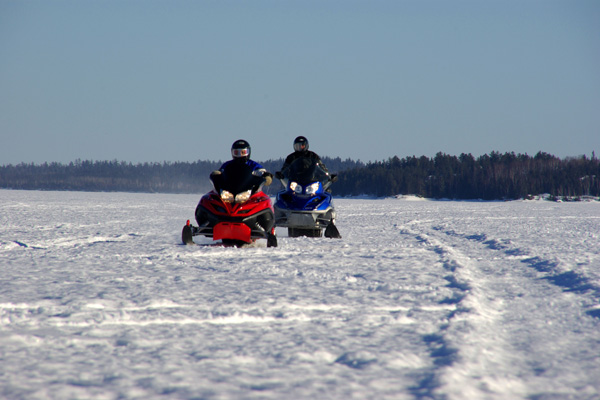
(305, 205)
(240, 151)
(300, 151)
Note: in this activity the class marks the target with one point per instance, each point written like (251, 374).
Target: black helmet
(240, 149)
(300, 143)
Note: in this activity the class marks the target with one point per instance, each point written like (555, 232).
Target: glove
(268, 178)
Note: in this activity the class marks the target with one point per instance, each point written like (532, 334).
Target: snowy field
(419, 300)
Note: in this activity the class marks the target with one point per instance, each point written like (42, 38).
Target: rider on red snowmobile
(240, 151)
(236, 211)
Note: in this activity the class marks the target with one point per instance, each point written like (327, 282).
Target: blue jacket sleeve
(254, 165)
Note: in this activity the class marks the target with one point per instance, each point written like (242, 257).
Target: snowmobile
(236, 211)
(305, 206)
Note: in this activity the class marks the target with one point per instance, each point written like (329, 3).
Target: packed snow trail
(419, 300)
(512, 318)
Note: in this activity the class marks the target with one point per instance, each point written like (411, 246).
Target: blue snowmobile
(305, 206)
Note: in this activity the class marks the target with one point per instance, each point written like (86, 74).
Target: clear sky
(181, 80)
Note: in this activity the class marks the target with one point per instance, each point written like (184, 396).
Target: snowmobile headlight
(295, 187)
(243, 197)
(226, 196)
(312, 189)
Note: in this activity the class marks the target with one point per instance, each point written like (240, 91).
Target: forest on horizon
(494, 176)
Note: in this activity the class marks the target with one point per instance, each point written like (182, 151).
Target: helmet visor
(238, 153)
(299, 146)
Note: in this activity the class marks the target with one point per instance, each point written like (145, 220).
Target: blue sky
(181, 80)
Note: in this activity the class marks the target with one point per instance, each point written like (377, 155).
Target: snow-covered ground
(419, 300)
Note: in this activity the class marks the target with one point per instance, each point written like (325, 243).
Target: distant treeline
(488, 177)
(112, 176)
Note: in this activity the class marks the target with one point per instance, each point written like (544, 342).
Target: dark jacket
(303, 154)
(257, 169)
(255, 166)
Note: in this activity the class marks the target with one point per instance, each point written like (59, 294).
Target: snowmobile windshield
(306, 171)
(238, 177)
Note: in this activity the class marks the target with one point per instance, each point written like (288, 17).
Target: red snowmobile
(236, 212)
